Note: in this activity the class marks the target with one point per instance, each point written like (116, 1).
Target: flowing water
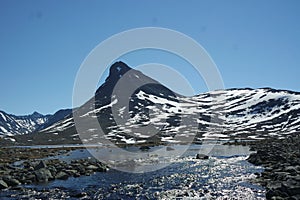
(225, 175)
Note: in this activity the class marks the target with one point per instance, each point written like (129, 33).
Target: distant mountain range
(11, 125)
(154, 113)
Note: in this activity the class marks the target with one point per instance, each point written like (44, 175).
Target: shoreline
(281, 161)
(36, 171)
(280, 176)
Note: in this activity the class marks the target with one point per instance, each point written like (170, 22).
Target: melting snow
(3, 129)
(3, 116)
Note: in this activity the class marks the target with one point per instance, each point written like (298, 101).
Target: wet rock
(296, 178)
(4, 172)
(291, 169)
(291, 187)
(102, 167)
(92, 167)
(71, 172)
(43, 175)
(271, 194)
(30, 178)
(144, 148)
(202, 156)
(295, 197)
(41, 165)
(3, 184)
(170, 149)
(11, 181)
(14, 182)
(258, 158)
(79, 195)
(62, 176)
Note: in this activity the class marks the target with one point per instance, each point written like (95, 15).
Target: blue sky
(43, 43)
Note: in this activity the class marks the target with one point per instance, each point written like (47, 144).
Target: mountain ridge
(11, 124)
(130, 106)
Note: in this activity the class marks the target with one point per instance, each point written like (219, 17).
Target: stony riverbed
(281, 160)
(74, 174)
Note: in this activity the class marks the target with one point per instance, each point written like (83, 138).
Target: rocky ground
(31, 169)
(281, 160)
(279, 157)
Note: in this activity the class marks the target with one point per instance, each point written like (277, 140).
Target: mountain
(131, 108)
(11, 125)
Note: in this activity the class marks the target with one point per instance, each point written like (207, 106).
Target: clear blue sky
(43, 42)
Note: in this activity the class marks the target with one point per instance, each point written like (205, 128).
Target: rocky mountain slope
(130, 108)
(11, 125)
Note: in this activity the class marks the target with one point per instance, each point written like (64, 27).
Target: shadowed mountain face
(121, 89)
(132, 108)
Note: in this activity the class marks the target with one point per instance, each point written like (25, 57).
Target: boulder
(41, 165)
(91, 167)
(30, 178)
(71, 172)
(144, 148)
(102, 167)
(43, 175)
(202, 156)
(10, 181)
(291, 187)
(3, 185)
(62, 176)
(170, 148)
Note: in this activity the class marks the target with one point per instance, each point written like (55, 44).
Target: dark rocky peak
(36, 115)
(118, 69)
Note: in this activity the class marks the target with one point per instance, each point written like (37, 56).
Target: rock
(296, 178)
(144, 148)
(170, 148)
(43, 175)
(278, 175)
(252, 149)
(80, 195)
(255, 158)
(91, 167)
(280, 157)
(102, 167)
(62, 176)
(10, 181)
(291, 169)
(271, 194)
(52, 169)
(71, 172)
(41, 165)
(30, 177)
(291, 187)
(5, 172)
(202, 156)
(295, 197)
(277, 198)
(3, 185)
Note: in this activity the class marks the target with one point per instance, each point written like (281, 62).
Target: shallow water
(225, 175)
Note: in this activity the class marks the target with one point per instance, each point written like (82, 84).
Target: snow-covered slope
(155, 113)
(14, 125)
(11, 125)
